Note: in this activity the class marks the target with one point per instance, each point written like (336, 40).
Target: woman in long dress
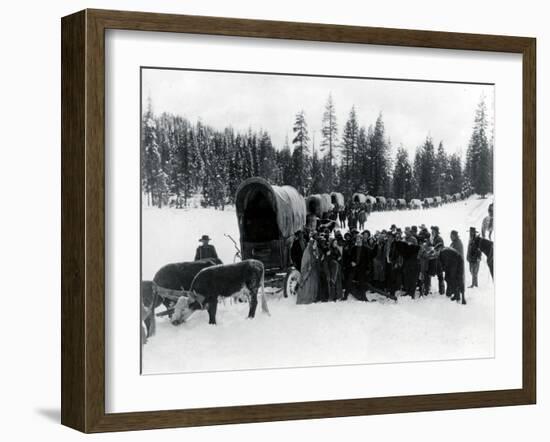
(334, 257)
(308, 290)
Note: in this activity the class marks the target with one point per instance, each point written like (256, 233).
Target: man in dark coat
(410, 267)
(473, 257)
(205, 250)
(410, 238)
(438, 243)
(456, 243)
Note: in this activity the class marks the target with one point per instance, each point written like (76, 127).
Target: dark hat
(205, 238)
(454, 232)
(473, 230)
(393, 226)
(436, 228)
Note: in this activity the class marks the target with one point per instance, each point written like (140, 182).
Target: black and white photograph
(295, 221)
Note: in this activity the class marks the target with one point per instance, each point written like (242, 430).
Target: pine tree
(379, 157)
(403, 181)
(364, 162)
(349, 173)
(268, 167)
(329, 133)
(318, 183)
(455, 174)
(284, 160)
(150, 160)
(424, 169)
(478, 155)
(441, 170)
(301, 162)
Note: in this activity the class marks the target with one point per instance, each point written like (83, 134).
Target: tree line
(184, 159)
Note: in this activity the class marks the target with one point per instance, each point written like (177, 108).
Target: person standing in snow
(473, 257)
(205, 250)
(308, 289)
(487, 224)
(334, 258)
(410, 238)
(456, 243)
(438, 243)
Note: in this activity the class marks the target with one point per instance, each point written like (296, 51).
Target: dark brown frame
(83, 217)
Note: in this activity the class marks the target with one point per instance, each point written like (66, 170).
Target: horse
(486, 246)
(452, 264)
(352, 219)
(362, 219)
(342, 217)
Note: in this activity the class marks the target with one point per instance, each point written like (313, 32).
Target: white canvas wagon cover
(283, 203)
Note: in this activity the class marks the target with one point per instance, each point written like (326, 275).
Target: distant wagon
(381, 203)
(415, 204)
(268, 218)
(318, 204)
(437, 201)
(370, 200)
(428, 202)
(359, 198)
(447, 198)
(327, 200)
(457, 197)
(337, 200)
(391, 204)
(401, 203)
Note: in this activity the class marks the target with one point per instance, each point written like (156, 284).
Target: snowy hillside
(350, 332)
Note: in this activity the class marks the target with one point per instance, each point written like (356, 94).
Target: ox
(228, 280)
(176, 277)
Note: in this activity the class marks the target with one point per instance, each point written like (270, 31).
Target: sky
(410, 110)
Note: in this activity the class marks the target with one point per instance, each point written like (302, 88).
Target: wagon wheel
(292, 279)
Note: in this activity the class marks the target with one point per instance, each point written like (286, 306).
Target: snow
(351, 332)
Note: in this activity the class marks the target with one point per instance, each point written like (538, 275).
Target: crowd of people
(334, 266)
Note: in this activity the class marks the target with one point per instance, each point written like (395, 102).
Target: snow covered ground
(351, 332)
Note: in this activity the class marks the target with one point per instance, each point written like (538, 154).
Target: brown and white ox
(228, 280)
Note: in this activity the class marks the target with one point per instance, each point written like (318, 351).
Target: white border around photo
(127, 390)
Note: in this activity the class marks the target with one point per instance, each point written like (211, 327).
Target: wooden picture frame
(83, 220)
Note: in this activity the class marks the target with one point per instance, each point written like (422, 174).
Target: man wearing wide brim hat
(205, 250)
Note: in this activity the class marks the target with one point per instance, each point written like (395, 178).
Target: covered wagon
(327, 200)
(401, 203)
(370, 200)
(427, 202)
(415, 204)
(381, 203)
(391, 204)
(359, 198)
(337, 199)
(437, 201)
(268, 218)
(318, 205)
